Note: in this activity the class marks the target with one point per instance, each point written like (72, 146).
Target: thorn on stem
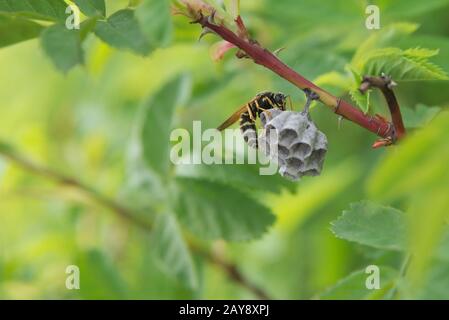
(340, 119)
(392, 84)
(199, 19)
(240, 54)
(242, 30)
(211, 18)
(277, 51)
(205, 31)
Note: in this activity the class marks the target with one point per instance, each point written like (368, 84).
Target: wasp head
(280, 100)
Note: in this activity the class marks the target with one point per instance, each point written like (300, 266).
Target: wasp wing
(233, 118)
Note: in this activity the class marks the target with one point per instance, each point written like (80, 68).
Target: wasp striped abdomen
(263, 101)
(249, 113)
(248, 129)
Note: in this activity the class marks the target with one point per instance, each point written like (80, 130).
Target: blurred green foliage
(99, 104)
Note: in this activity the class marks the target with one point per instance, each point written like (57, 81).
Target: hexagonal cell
(318, 154)
(300, 150)
(294, 163)
(301, 147)
(287, 136)
(293, 121)
(313, 165)
(286, 173)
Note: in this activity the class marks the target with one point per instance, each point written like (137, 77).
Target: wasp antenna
(290, 102)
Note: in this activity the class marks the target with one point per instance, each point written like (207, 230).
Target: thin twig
(265, 58)
(63, 179)
(385, 84)
(402, 272)
(230, 269)
(242, 30)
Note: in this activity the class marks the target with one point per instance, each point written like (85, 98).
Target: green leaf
(417, 172)
(293, 209)
(122, 31)
(419, 163)
(420, 116)
(41, 9)
(315, 62)
(362, 100)
(86, 27)
(335, 80)
(429, 41)
(401, 9)
(437, 282)
(437, 279)
(6, 148)
(405, 65)
(376, 56)
(63, 46)
(353, 287)
(385, 37)
(428, 214)
(99, 278)
(156, 126)
(232, 7)
(16, 29)
(373, 225)
(216, 211)
(244, 176)
(155, 21)
(142, 189)
(134, 3)
(92, 8)
(171, 250)
(443, 248)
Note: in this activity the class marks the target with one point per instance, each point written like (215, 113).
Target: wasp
(250, 111)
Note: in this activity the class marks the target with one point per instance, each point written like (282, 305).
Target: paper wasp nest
(301, 147)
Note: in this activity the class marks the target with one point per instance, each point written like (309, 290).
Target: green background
(88, 120)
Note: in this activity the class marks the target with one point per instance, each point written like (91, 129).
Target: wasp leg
(310, 96)
(250, 112)
(268, 113)
(269, 102)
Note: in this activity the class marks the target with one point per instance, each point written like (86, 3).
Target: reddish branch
(263, 57)
(385, 85)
